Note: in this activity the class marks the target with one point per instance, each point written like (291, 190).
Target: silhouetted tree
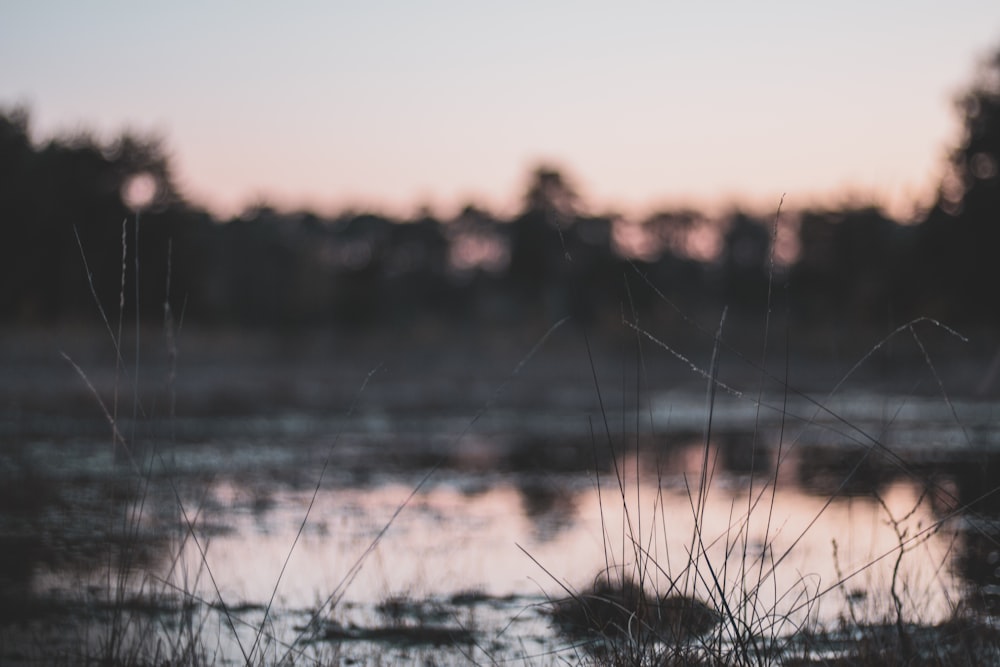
(550, 194)
(849, 269)
(956, 268)
(538, 252)
(361, 242)
(745, 263)
(21, 251)
(975, 163)
(594, 274)
(672, 231)
(136, 155)
(416, 266)
(73, 186)
(67, 183)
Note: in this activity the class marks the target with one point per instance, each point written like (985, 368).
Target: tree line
(65, 214)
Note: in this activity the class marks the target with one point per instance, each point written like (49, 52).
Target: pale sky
(395, 105)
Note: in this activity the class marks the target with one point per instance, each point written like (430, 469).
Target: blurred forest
(854, 268)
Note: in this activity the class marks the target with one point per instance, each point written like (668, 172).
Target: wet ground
(359, 500)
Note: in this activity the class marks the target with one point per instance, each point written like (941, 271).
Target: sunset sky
(396, 105)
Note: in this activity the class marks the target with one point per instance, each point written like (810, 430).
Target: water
(470, 506)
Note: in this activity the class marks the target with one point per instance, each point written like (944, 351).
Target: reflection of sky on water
(522, 476)
(466, 533)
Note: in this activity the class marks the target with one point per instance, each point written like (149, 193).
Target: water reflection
(549, 502)
(448, 540)
(507, 517)
(977, 497)
(845, 471)
(743, 453)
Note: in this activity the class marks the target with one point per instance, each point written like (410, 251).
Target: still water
(792, 510)
(362, 501)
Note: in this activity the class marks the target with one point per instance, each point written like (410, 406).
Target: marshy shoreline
(234, 438)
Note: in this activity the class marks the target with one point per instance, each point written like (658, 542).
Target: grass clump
(624, 609)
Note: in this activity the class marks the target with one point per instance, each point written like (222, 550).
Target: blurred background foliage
(74, 197)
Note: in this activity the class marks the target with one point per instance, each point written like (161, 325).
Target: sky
(394, 106)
